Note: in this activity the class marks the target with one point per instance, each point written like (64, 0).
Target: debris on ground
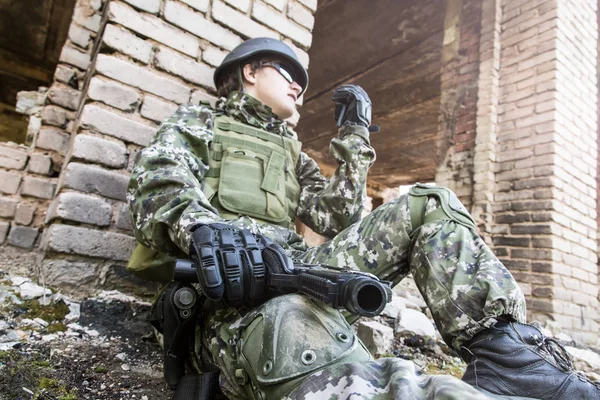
(52, 347)
(102, 348)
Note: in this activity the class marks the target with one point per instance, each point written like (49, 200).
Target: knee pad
(451, 207)
(289, 337)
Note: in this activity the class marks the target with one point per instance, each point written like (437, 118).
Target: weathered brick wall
(524, 166)
(575, 269)
(484, 158)
(529, 173)
(458, 106)
(152, 56)
(545, 201)
(29, 173)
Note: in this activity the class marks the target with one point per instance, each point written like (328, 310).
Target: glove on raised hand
(352, 105)
(232, 263)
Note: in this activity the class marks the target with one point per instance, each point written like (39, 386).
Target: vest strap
(255, 147)
(250, 130)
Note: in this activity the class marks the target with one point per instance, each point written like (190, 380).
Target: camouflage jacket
(165, 190)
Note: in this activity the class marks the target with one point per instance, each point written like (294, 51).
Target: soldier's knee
(288, 338)
(450, 207)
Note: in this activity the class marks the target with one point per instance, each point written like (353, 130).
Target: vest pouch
(242, 177)
(274, 180)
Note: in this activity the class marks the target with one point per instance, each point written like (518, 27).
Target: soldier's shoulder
(197, 114)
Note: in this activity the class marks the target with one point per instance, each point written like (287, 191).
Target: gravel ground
(53, 347)
(109, 352)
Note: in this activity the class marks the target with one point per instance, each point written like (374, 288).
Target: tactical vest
(252, 172)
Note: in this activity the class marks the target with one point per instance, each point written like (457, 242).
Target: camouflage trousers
(464, 285)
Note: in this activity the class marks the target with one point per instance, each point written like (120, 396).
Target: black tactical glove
(353, 105)
(232, 263)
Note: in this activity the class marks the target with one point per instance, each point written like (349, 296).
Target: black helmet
(265, 46)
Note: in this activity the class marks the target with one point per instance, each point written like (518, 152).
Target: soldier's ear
(249, 74)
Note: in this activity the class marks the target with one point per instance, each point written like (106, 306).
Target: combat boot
(515, 360)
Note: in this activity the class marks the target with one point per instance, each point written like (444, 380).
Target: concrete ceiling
(32, 33)
(392, 48)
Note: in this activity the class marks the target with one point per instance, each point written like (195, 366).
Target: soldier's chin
(285, 112)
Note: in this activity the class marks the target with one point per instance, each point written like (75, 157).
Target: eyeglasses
(284, 70)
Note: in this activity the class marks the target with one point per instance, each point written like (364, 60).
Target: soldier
(238, 168)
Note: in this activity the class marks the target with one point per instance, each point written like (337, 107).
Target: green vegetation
(56, 387)
(56, 327)
(51, 312)
(33, 371)
(443, 368)
(4, 356)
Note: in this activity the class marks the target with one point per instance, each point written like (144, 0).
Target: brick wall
(522, 234)
(536, 122)
(526, 165)
(484, 158)
(546, 195)
(575, 269)
(29, 172)
(517, 131)
(458, 106)
(151, 56)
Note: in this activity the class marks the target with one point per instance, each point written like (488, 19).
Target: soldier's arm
(328, 206)
(165, 190)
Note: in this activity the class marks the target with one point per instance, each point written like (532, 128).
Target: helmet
(266, 46)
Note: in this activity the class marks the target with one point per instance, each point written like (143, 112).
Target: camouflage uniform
(463, 283)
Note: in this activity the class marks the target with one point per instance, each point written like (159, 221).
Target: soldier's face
(270, 85)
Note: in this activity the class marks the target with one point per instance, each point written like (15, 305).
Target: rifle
(358, 292)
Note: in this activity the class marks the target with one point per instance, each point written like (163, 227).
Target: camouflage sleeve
(165, 189)
(328, 206)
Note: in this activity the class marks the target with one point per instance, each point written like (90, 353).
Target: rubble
(586, 360)
(55, 347)
(29, 290)
(377, 337)
(394, 307)
(411, 322)
(102, 348)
